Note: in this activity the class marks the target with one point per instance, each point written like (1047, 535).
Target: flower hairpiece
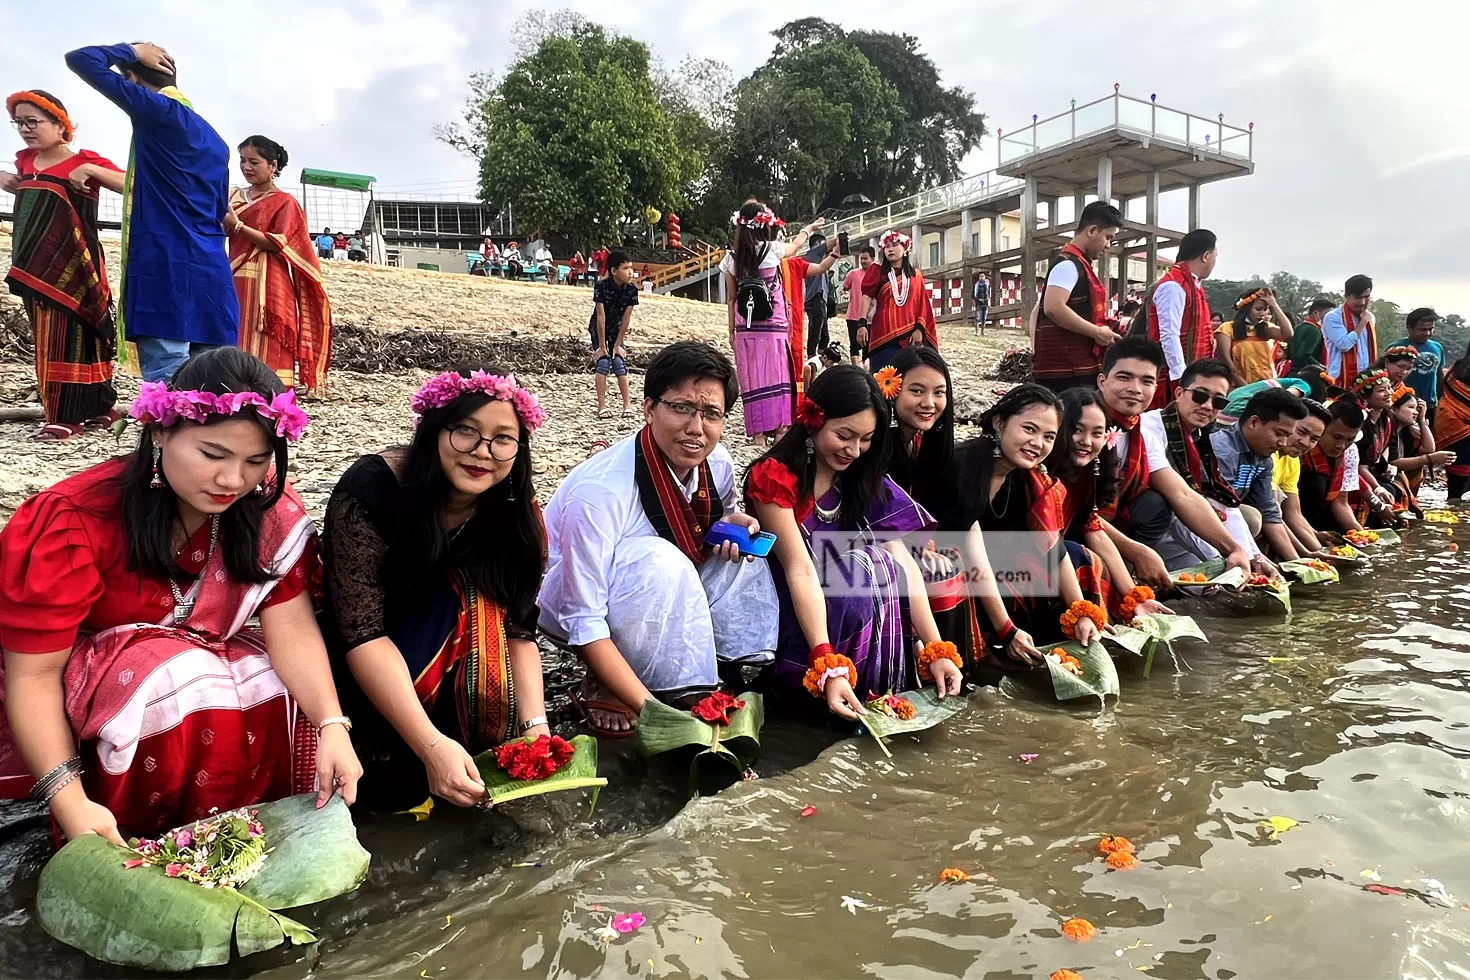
(1250, 298)
(890, 382)
(444, 388)
(894, 237)
(159, 405)
(764, 218)
(810, 414)
(1368, 379)
(47, 106)
(1402, 350)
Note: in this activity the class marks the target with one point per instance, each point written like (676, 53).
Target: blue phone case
(722, 531)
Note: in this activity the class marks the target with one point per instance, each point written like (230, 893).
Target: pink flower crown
(764, 218)
(444, 388)
(890, 237)
(156, 403)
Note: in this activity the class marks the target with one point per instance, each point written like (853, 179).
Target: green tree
(573, 136)
(1388, 320)
(1294, 294)
(1453, 333)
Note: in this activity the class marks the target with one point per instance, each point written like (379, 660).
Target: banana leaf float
(578, 772)
(1310, 571)
(1344, 554)
(1379, 538)
(928, 711)
(1093, 674)
(1216, 576)
(726, 751)
(142, 917)
(1147, 633)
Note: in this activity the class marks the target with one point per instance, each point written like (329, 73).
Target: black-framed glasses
(686, 409)
(27, 123)
(1202, 395)
(464, 439)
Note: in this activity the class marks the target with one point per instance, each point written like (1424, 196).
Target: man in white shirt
(630, 585)
(1179, 314)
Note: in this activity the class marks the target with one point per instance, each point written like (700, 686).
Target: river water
(1350, 718)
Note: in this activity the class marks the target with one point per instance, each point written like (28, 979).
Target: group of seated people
(176, 637)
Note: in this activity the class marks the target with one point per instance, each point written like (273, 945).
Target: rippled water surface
(1350, 718)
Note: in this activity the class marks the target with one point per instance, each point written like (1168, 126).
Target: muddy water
(1350, 718)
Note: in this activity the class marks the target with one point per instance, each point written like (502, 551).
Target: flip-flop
(628, 412)
(588, 705)
(604, 413)
(57, 432)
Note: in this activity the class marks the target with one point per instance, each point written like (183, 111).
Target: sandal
(57, 432)
(628, 412)
(598, 445)
(604, 413)
(587, 705)
(107, 420)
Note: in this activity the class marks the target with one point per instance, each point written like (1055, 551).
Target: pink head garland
(894, 238)
(444, 388)
(156, 403)
(764, 218)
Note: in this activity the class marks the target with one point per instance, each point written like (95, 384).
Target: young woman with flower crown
(434, 553)
(1013, 514)
(846, 631)
(898, 312)
(137, 697)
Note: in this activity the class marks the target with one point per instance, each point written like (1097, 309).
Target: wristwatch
(531, 723)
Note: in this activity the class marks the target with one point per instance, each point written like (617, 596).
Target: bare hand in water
(947, 678)
(452, 773)
(841, 700)
(1023, 649)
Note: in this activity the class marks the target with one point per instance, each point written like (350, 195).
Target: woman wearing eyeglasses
(433, 555)
(57, 265)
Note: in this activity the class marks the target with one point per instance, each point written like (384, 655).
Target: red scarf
(1196, 336)
(1350, 366)
(679, 521)
(1096, 293)
(1329, 466)
(1133, 477)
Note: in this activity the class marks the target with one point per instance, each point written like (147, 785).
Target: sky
(1361, 111)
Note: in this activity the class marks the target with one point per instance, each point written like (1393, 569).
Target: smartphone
(842, 244)
(758, 546)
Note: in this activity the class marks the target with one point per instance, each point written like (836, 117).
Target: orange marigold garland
(47, 106)
(952, 876)
(1080, 610)
(938, 650)
(1109, 844)
(890, 382)
(1079, 930)
(1122, 861)
(1136, 597)
(825, 667)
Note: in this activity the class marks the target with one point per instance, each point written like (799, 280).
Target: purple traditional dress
(763, 351)
(867, 603)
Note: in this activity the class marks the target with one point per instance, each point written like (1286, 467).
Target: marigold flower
(1066, 975)
(1079, 610)
(938, 650)
(1108, 844)
(1079, 930)
(815, 680)
(890, 382)
(950, 876)
(1136, 596)
(1122, 861)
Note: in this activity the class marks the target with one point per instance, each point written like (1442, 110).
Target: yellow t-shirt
(1286, 473)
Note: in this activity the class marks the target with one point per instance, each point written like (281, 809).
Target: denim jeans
(160, 358)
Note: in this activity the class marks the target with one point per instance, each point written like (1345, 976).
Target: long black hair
(151, 514)
(906, 267)
(269, 150)
(1240, 328)
(936, 449)
(499, 548)
(975, 458)
(840, 391)
(751, 244)
(1061, 464)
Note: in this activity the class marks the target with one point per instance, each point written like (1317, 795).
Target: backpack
(753, 295)
(1139, 327)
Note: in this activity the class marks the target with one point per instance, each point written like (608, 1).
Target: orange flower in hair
(1250, 298)
(810, 414)
(47, 106)
(890, 382)
(1079, 930)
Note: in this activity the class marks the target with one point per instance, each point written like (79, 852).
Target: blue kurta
(179, 285)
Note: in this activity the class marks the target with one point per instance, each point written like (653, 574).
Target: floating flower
(808, 811)
(1066, 975)
(607, 933)
(1079, 930)
(534, 760)
(1108, 844)
(716, 708)
(890, 382)
(628, 922)
(952, 876)
(1029, 757)
(1122, 861)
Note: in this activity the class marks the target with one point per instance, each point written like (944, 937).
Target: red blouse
(25, 166)
(771, 482)
(63, 567)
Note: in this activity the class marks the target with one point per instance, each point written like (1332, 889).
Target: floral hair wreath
(156, 404)
(444, 388)
(890, 382)
(45, 105)
(1402, 350)
(1367, 380)
(810, 414)
(894, 237)
(1250, 297)
(764, 218)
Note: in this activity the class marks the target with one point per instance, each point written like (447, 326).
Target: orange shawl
(285, 318)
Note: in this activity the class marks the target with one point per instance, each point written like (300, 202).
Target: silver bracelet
(342, 720)
(531, 723)
(48, 784)
(51, 793)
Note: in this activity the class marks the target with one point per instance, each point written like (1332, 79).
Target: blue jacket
(179, 285)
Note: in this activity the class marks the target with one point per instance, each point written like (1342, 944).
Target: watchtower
(1116, 148)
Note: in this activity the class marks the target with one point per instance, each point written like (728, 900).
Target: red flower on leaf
(534, 760)
(810, 414)
(716, 708)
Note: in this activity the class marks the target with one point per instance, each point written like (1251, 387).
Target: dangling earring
(1096, 465)
(510, 491)
(157, 482)
(995, 448)
(811, 448)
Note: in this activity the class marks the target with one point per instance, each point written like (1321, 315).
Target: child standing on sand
(613, 300)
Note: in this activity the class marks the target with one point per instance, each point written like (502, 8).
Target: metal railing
(705, 258)
(1144, 118)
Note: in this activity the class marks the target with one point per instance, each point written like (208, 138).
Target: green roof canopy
(332, 178)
